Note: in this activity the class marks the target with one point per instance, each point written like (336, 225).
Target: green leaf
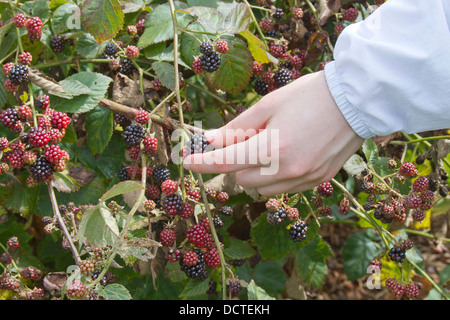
(71, 88)
(359, 249)
(257, 293)
(61, 16)
(115, 291)
(99, 126)
(64, 183)
(195, 288)
(102, 18)
(311, 262)
(256, 47)
(166, 73)
(96, 82)
(235, 70)
(88, 47)
(98, 227)
(121, 188)
(239, 249)
(370, 150)
(273, 241)
(160, 19)
(355, 165)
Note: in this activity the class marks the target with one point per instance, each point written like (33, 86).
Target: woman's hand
(292, 140)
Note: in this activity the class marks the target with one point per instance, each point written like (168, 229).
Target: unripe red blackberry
(132, 30)
(5, 258)
(418, 215)
(408, 170)
(187, 210)
(12, 242)
(4, 143)
(76, 290)
(20, 20)
(197, 66)
(174, 255)
(24, 112)
(16, 158)
(413, 201)
(142, 117)
(412, 291)
(34, 25)
(427, 195)
(150, 145)
(7, 67)
(152, 192)
(325, 189)
(266, 24)
(396, 288)
(10, 86)
(420, 184)
(196, 235)
(8, 283)
(210, 192)
(60, 120)
(212, 258)
(169, 187)
(222, 46)
(190, 258)
(272, 204)
(350, 14)
(132, 52)
(222, 196)
(25, 58)
(376, 265)
(344, 207)
(38, 137)
(53, 153)
(297, 13)
(34, 36)
(193, 195)
(29, 157)
(338, 28)
(292, 213)
(167, 237)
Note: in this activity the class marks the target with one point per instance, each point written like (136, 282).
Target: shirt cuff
(350, 113)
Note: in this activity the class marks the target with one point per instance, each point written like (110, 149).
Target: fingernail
(211, 135)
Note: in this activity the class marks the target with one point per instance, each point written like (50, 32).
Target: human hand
(312, 143)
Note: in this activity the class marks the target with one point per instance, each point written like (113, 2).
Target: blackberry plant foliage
(90, 122)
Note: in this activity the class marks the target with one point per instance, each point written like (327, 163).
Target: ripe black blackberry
(18, 74)
(297, 231)
(397, 254)
(197, 144)
(57, 43)
(218, 222)
(233, 288)
(226, 210)
(133, 135)
(123, 174)
(206, 47)
(111, 50)
(126, 66)
(9, 117)
(161, 174)
(261, 87)
(282, 77)
(198, 271)
(276, 217)
(210, 62)
(279, 13)
(273, 34)
(173, 204)
(41, 169)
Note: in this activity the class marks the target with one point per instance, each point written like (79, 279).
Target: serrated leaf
(64, 183)
(370, 151)
(61, 15)
(115, 291)
(165, 72)
(102, 18)
(235, 70)
(354, 165)
(257, 293)
(357, 252)
(71, 89)
(195, 288)
(98, 227)
(311, 263)
(160, 19)
(96, 82)
(121, 188)
(239, 249)
(99, 126)
(88, 47)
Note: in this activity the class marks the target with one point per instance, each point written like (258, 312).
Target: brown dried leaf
(54, 281)
(41, 80)
(126, 91)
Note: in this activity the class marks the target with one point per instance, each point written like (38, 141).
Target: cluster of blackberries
(210, 59)
(398, 252)
(197, 144)
(196, 271)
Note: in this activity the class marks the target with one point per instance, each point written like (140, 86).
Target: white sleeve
(391, 72)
